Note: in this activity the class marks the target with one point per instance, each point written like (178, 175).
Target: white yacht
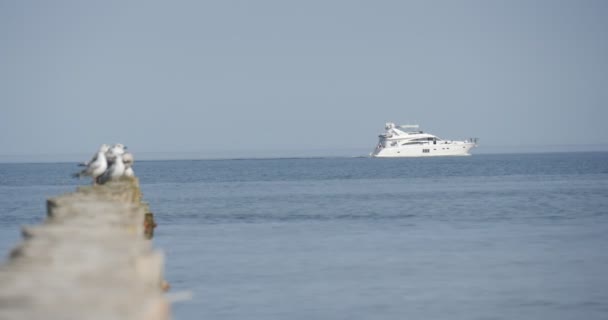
(410, 141)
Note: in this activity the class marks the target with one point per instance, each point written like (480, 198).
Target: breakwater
(90, 259)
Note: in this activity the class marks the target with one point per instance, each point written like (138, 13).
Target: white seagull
(116, 149)
(127, 159)
(102, 147)
(115, 171)
(97, 166)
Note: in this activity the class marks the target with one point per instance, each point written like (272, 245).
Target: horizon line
(279, 157)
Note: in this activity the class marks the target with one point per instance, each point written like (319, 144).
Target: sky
(211, 79)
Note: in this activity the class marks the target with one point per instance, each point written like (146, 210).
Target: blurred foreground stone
(89, 260)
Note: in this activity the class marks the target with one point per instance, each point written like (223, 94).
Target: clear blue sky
(298, 77)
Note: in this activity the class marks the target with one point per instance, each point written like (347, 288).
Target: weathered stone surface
(88, 260)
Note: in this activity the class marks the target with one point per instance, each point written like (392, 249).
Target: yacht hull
(427, 150)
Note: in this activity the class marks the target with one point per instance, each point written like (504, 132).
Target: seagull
(115, 171)
(102, 147)
(97, 166)
(127, 159)
(116, 149)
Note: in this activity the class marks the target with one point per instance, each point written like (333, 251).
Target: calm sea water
(517, 236)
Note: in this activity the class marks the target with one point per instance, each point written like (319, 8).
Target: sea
(490, 236)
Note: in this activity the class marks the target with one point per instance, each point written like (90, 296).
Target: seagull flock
(109, 163)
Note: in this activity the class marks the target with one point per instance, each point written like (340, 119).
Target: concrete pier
(90, 259)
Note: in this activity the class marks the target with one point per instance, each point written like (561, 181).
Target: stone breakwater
(90, 259)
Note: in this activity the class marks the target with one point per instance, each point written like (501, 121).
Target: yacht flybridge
(410, 141)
